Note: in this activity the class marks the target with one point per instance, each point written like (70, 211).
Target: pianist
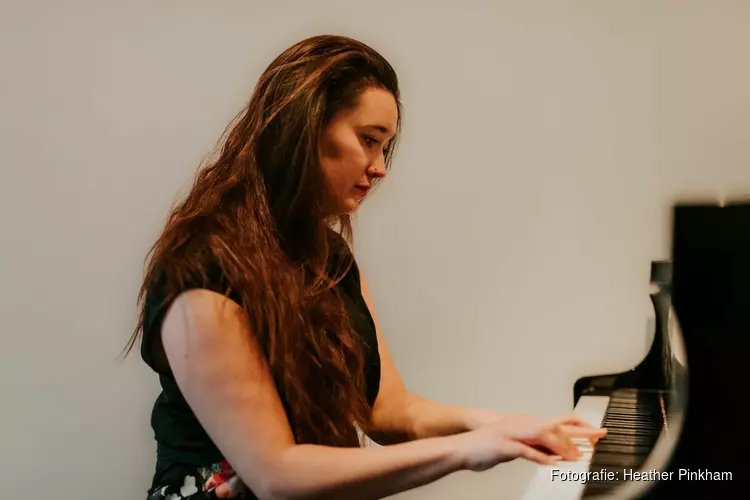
(259, 323)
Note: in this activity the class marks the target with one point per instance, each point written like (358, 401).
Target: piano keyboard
(634, 420)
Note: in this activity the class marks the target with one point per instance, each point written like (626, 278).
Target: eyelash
(371, 141)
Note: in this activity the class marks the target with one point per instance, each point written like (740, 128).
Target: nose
(376, 170)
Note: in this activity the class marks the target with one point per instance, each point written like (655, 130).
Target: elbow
(267, 484)
(388, 437)
(279, 486)
(268, 476)
(286, 477)
(284, 489)
(274, 486)
(395, 420)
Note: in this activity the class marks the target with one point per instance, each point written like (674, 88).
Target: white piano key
(543, 485)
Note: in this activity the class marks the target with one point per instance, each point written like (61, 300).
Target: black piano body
(678, 417)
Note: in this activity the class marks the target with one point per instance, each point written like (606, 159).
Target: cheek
(350, 165)
(344, 159)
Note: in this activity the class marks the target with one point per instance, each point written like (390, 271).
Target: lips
(362, 188)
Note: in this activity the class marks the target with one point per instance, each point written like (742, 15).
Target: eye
(372, 141)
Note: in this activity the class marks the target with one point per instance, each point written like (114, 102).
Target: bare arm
(399, 415)
(423, 418)
(226, 381)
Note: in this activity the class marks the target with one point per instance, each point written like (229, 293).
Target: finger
(533, 455)
(573, 453)
(592, 434)
(532, 432)
(559, 444)
(596, 439)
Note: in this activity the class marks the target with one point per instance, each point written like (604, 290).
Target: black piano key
(618, 460)
(611, 447)
(618, 429)
(642, 442)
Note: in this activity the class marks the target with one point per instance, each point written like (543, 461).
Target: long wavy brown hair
(257, 212)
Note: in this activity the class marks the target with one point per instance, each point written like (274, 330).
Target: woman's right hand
(537, 440)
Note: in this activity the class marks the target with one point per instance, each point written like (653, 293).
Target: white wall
(508, 254)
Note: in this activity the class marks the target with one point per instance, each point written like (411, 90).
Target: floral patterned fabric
(216, 481)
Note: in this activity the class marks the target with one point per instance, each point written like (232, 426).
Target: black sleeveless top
(180, 437)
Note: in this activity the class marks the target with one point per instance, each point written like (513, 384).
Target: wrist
(456, 451)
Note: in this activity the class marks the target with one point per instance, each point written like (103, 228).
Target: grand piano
(676, 425)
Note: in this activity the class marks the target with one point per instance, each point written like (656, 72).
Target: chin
(349, 205)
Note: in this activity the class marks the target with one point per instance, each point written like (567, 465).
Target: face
(353, 147)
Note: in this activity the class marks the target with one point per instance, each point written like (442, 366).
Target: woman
(260, 325)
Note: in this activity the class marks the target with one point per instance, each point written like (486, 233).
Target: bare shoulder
(200, 314)
(206, 338)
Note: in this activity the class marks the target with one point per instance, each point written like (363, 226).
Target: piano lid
(710, 295)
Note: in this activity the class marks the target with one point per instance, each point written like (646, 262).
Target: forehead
(377, 108)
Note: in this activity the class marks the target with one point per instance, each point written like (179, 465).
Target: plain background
(508, 253)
